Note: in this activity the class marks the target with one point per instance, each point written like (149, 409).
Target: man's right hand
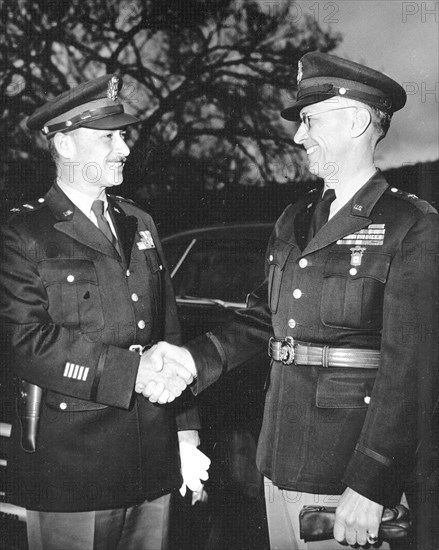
(164, 372)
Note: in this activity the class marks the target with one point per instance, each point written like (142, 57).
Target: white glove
(194, 466)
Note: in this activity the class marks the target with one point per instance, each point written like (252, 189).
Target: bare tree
(207, 79)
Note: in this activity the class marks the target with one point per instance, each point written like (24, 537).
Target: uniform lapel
(72, 222)
(352, 217)
(303, 219)
(126, 227)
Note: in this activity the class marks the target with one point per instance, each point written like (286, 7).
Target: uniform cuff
(208, 361)
(118, 377)
(373, 479)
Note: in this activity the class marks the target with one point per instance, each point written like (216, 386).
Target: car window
(223, 269)
(174, 251)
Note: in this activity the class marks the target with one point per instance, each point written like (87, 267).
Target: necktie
(98, 210)
(321, 213)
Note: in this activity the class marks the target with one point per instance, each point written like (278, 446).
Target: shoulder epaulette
(411, 198)
(30, 206)
(402, 194)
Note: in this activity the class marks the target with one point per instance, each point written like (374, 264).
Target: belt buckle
(282, 350)
(287, 352)
(137, 348)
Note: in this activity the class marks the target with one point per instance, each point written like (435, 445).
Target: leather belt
(289, 352)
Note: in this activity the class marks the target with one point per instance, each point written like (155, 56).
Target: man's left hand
(357, 518)
(194, 464)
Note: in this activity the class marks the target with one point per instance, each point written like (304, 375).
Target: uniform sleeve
(186, 411)
(224, 349)
(403, 395)
(44, 351)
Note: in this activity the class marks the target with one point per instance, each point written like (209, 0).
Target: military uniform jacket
(71, 308)
(328, 428)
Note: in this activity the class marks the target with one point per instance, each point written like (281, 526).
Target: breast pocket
(353, 296)
(276, 265)
(73, 293)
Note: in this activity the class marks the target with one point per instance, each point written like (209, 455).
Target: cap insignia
(112, 88)
(299, 72)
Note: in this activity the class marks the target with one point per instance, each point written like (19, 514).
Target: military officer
(84, 287)
(349, 308)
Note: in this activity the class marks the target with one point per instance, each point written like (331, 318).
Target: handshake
(164, 372)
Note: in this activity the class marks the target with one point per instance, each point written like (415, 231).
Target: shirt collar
(344, 194)
(81, 200)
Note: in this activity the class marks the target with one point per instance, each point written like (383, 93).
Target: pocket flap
(153, 260)
(373, 265)
(279, 254)
(344, 388)
(68, 271)
(276, 263)
(66, 403)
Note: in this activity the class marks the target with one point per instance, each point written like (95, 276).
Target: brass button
(134, 297)
(292, 323)
(303, 262)
(141, 324)
(70, 278)
(270, 258)
(367, 399)
(63, 406)
(353, 271)
(297, 293)
(128, 273)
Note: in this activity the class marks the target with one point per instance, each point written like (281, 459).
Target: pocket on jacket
(73, 292)
(344, 388)
(277, 259)
(65, 403)
(352, 296)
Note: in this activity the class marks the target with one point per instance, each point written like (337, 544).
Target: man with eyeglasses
(349, 308)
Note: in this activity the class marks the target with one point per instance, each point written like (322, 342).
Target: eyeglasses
(304, 117)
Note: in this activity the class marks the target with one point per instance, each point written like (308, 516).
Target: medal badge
(357, 255)
(146, 241)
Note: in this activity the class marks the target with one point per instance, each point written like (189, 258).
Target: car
(213, 269)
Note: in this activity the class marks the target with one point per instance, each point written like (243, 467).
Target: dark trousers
(142, 527)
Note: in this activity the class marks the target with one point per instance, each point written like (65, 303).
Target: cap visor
(292, 113)
(111, 122)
